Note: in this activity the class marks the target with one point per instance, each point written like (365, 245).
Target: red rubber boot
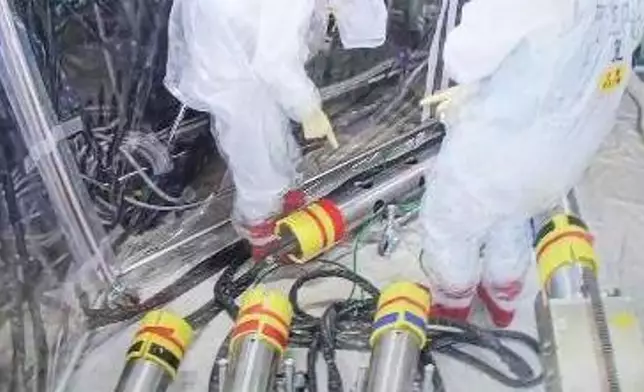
(456, 314)
(293, 200)
(501, 302)
(261, 237)
(454, 305)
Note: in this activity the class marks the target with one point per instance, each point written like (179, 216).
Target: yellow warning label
(623, 320)
(613, 76)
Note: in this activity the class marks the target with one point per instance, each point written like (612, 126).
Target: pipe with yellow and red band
(306, 233)
(154, 356)
(316, 228)
(563, 249)
(258, 341)
(399, 335)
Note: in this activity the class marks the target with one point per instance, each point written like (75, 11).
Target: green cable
(361, 230)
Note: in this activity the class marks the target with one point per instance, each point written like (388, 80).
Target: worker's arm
(281, 53)
(490, 30)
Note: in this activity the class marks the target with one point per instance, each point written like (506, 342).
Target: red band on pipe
(259, 309)
(267, 330)
(336, 217)
(275, 334)
(248, 326)
(162, 332)
(584, 236)
(318, 223)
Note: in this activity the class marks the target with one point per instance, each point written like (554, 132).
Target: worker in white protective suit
(243, 62)
(539, 85)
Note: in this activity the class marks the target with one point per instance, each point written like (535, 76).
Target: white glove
(316, 125)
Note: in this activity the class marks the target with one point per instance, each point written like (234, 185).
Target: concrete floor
(612, 200)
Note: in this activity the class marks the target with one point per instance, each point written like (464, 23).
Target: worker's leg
(506, 258)
(451, 249)
(256, 140)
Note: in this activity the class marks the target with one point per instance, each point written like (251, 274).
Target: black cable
(333, 273)
(16, 314)
(323, 335)
(222, 352)
(239, 250)
(427, 358)
(347, 325)
(450, 343)
(26, 271)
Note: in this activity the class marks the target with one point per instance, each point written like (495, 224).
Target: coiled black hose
(347, 325)
(450, 343)
(323, 336)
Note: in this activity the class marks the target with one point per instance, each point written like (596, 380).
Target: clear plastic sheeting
(54, 260)
(121, 190)
(44, 286)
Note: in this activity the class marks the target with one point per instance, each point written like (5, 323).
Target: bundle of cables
(25, 275)
(232, 256)
(346, 325)
(104, 61)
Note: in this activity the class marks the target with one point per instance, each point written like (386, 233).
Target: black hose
(347, 325)
(449, 343)
(324, 335)
(222, 352)
(239, 250)
(25, 271)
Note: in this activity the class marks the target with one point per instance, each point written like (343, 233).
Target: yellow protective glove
(448, 100)
(316, 125)
(444, 99)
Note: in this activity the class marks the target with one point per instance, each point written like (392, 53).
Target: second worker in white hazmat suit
(243, 62)
(540, 82)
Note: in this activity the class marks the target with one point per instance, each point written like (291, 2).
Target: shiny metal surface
(289, 375)
(328, 180)
(572, 299)
(222, 368)
(566, 282)
(252, 367)
(360, 200)
(572, 356)
(394, 362)
(219, 234)
(390, 235)
(143, 376)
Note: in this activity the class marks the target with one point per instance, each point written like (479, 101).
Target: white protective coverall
(243, 62)
(542, 82)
